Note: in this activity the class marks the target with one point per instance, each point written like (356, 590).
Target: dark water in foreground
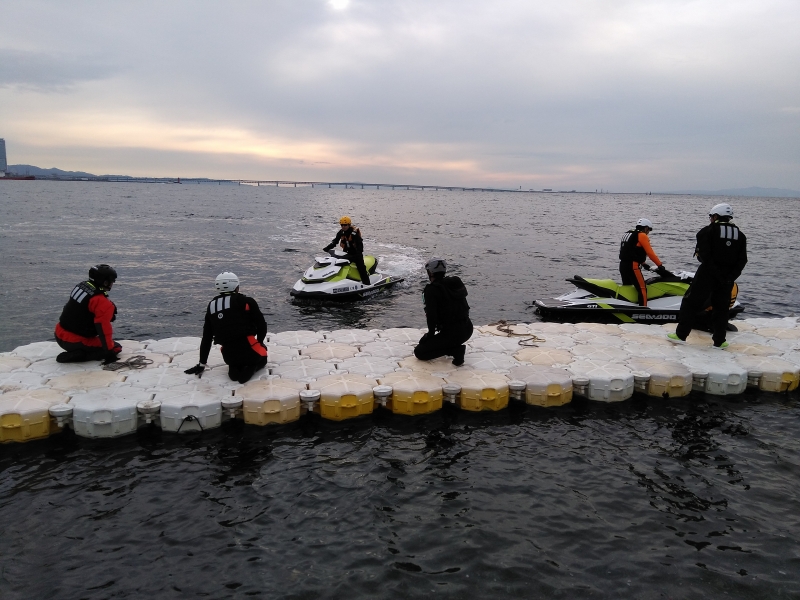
(692, 498)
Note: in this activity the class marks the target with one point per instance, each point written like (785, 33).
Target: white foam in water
(605, 364)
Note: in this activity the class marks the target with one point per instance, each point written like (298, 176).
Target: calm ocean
(690, 498)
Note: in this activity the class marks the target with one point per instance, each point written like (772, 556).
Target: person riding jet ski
(722, 252)
(349, 238)
(84, 329)
(447, 313)
(633, 252)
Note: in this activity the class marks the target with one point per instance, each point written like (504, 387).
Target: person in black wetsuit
(447, 313)
(234, 321)
(349, 238)
(722, 252)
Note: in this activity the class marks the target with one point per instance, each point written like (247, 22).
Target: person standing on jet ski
(633, 251)
(234, 321)
(722, 252)
(349, 238)
(447, 313)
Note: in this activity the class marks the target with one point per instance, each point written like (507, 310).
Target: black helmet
(102, 273)
(436, 265)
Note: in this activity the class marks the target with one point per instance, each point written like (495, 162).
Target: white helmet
(436, 265)
(721, 210)
(226, 282)
(644, 223)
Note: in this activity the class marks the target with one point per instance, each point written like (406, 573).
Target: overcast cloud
(628, 95)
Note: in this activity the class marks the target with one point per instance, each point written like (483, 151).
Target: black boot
(458, 355)
(72, 356)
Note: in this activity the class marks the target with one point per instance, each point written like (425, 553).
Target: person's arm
(208, 338)
(431, 308)
(334, 242)
(742, 257)
(257, 318)
(103, 310)
(644, 242)
(703, 248)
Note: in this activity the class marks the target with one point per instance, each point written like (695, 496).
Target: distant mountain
(38, 172)
(757, 192)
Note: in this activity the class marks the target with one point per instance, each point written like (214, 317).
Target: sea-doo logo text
(655, 317)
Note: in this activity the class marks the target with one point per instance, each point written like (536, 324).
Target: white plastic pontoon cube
(607, 382)
(175, 345)
(183, 412)
(296, 339)
(388, 349)
(38, 351)
(107, 412)
(353, 337)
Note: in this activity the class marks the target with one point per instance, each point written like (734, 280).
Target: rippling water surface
(691, 498)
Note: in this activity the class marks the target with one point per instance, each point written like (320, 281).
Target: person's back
(447, 315)
(84, 328)
(235, 322)
(722, 252)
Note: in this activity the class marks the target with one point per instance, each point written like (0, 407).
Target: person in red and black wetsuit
(84, 328)
(633, 252)
(234, 321)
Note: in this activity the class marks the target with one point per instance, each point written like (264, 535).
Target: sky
(627, 95)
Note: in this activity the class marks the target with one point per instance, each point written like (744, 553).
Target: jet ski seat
(369, 261)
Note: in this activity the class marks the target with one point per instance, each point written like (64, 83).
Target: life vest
(628, 249)
(229, 315)
(351, 242)
(76, 316)
(726, 244)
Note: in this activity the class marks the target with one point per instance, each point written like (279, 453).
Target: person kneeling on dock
(447, 313)
(234, 321)
(84, 329)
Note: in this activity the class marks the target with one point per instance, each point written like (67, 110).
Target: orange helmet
(345, 220)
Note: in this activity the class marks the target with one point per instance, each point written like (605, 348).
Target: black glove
(661, 270)
(111, 357)
(196, 370)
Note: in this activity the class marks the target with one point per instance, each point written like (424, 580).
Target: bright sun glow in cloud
(339, 4)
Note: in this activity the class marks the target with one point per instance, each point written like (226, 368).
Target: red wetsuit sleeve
(103, 310)
(644, 242)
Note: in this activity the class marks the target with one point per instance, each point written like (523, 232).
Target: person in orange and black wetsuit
(84, 329)
(234, 321)
(633, 252)
(349, 238)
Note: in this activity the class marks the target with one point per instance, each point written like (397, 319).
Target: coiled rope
(134, 363)
(527, 339)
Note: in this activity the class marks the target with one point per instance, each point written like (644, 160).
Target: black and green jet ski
(605, 301)
(335, 278)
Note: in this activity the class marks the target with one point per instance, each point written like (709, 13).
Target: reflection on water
(686, 498)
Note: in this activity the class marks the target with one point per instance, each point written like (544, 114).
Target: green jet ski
(605, 301)
(334, 278)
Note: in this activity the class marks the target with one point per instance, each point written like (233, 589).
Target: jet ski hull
(341, 291)
(600, 311)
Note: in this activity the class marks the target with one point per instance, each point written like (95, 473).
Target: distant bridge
(285, 183)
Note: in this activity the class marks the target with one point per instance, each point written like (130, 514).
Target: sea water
(690, 498)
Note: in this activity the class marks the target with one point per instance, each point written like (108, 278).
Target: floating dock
(349, 373)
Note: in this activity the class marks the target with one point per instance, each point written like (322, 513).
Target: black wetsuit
(447, 313)
(234, 321)
(722, 252)
(353, 245)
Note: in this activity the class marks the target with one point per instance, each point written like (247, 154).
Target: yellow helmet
(345, 220)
